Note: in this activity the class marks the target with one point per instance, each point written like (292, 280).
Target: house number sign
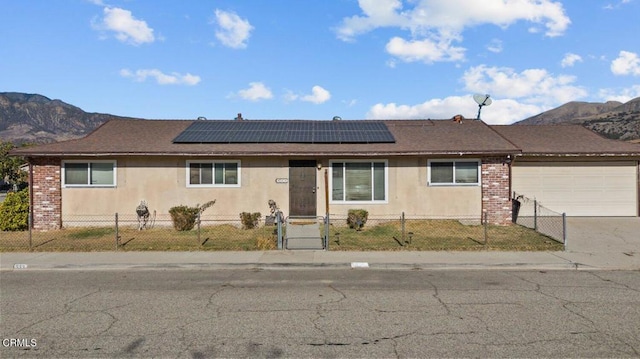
(282, 180)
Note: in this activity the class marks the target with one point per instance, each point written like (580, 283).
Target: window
(454, 172)
(359, 181)
(207, 174)
(94, 174)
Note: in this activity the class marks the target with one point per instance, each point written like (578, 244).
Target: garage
(580, 188)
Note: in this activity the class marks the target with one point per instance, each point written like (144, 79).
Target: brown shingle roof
(413, 137)
(154, 137)
(564, 140)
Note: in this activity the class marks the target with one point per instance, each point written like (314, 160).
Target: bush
(250, 220)
(184, 217)
(356, 218)
(14, 211)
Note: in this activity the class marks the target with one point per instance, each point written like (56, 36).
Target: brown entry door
(302, 188)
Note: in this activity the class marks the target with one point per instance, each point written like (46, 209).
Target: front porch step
(303, 233)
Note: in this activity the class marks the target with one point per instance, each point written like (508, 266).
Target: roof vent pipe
(337, 118)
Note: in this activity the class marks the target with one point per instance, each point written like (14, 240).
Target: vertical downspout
(29, 159)
(513, 160)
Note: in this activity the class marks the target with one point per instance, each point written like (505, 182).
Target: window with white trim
(213, 173)
(89, 174)
(358, 181)
(459, 172)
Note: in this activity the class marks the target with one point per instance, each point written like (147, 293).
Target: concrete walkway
(593, 244)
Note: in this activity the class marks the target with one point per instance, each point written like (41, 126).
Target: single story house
(428, 168)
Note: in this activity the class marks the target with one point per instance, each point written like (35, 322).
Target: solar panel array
(278, 131)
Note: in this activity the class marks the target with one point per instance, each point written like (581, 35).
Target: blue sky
(315, 59)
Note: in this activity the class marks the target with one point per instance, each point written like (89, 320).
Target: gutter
(591, 154)
(262, 154)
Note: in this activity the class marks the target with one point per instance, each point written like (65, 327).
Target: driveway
(604, 234)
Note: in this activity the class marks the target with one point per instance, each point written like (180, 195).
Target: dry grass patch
(419, 235)
(439, 235)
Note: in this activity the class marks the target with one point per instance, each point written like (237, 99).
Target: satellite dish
(482, 100)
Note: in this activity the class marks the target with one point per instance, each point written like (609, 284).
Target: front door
(302, 188)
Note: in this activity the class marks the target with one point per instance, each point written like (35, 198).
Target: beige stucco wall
(409, 192)
(161, 181)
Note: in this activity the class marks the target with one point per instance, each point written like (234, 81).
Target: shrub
(356, 218)
(14, 211)
(250, 220)
(184, 217)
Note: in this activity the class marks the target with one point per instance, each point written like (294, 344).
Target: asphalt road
(319, 313)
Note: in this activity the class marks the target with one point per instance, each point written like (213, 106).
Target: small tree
(10, 166)
(14, 211)
(184, 217)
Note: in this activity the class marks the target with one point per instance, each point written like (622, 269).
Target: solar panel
(281, 131)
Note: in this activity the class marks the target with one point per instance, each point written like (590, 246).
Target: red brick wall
(46, 193)
(496, 199)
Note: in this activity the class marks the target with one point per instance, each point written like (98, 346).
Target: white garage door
(580, 188)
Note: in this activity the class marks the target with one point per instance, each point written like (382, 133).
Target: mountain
(611, 119)
(32, 118)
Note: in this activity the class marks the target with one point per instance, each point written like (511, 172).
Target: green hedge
(14, 211)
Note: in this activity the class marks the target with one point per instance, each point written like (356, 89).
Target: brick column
(46, 193)
(496, 199)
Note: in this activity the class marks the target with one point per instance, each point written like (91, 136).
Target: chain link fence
(532, 214)
(418, 232)
(118, 232)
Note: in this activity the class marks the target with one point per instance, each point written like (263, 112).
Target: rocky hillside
(611, 119)
(31, 118)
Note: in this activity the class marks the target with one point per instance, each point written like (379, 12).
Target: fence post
(326, 233)
(198, 221)
(535, 215)
(564, 230)
(486, 221)
(30, 219)
(279, 226)
(402, 223)
(117, 236)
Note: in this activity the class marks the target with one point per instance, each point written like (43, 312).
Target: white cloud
(161, 78)
(495, 46)
(425, 50)
(624, 95)
(435, 24)
(127, 28)
(378, 13)
(531, 85)
(257, 91)
(318, 95)
(616, 6)
(515, 95)
(500, 112)
(232, 30)
(627, 63)
(570, 59)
